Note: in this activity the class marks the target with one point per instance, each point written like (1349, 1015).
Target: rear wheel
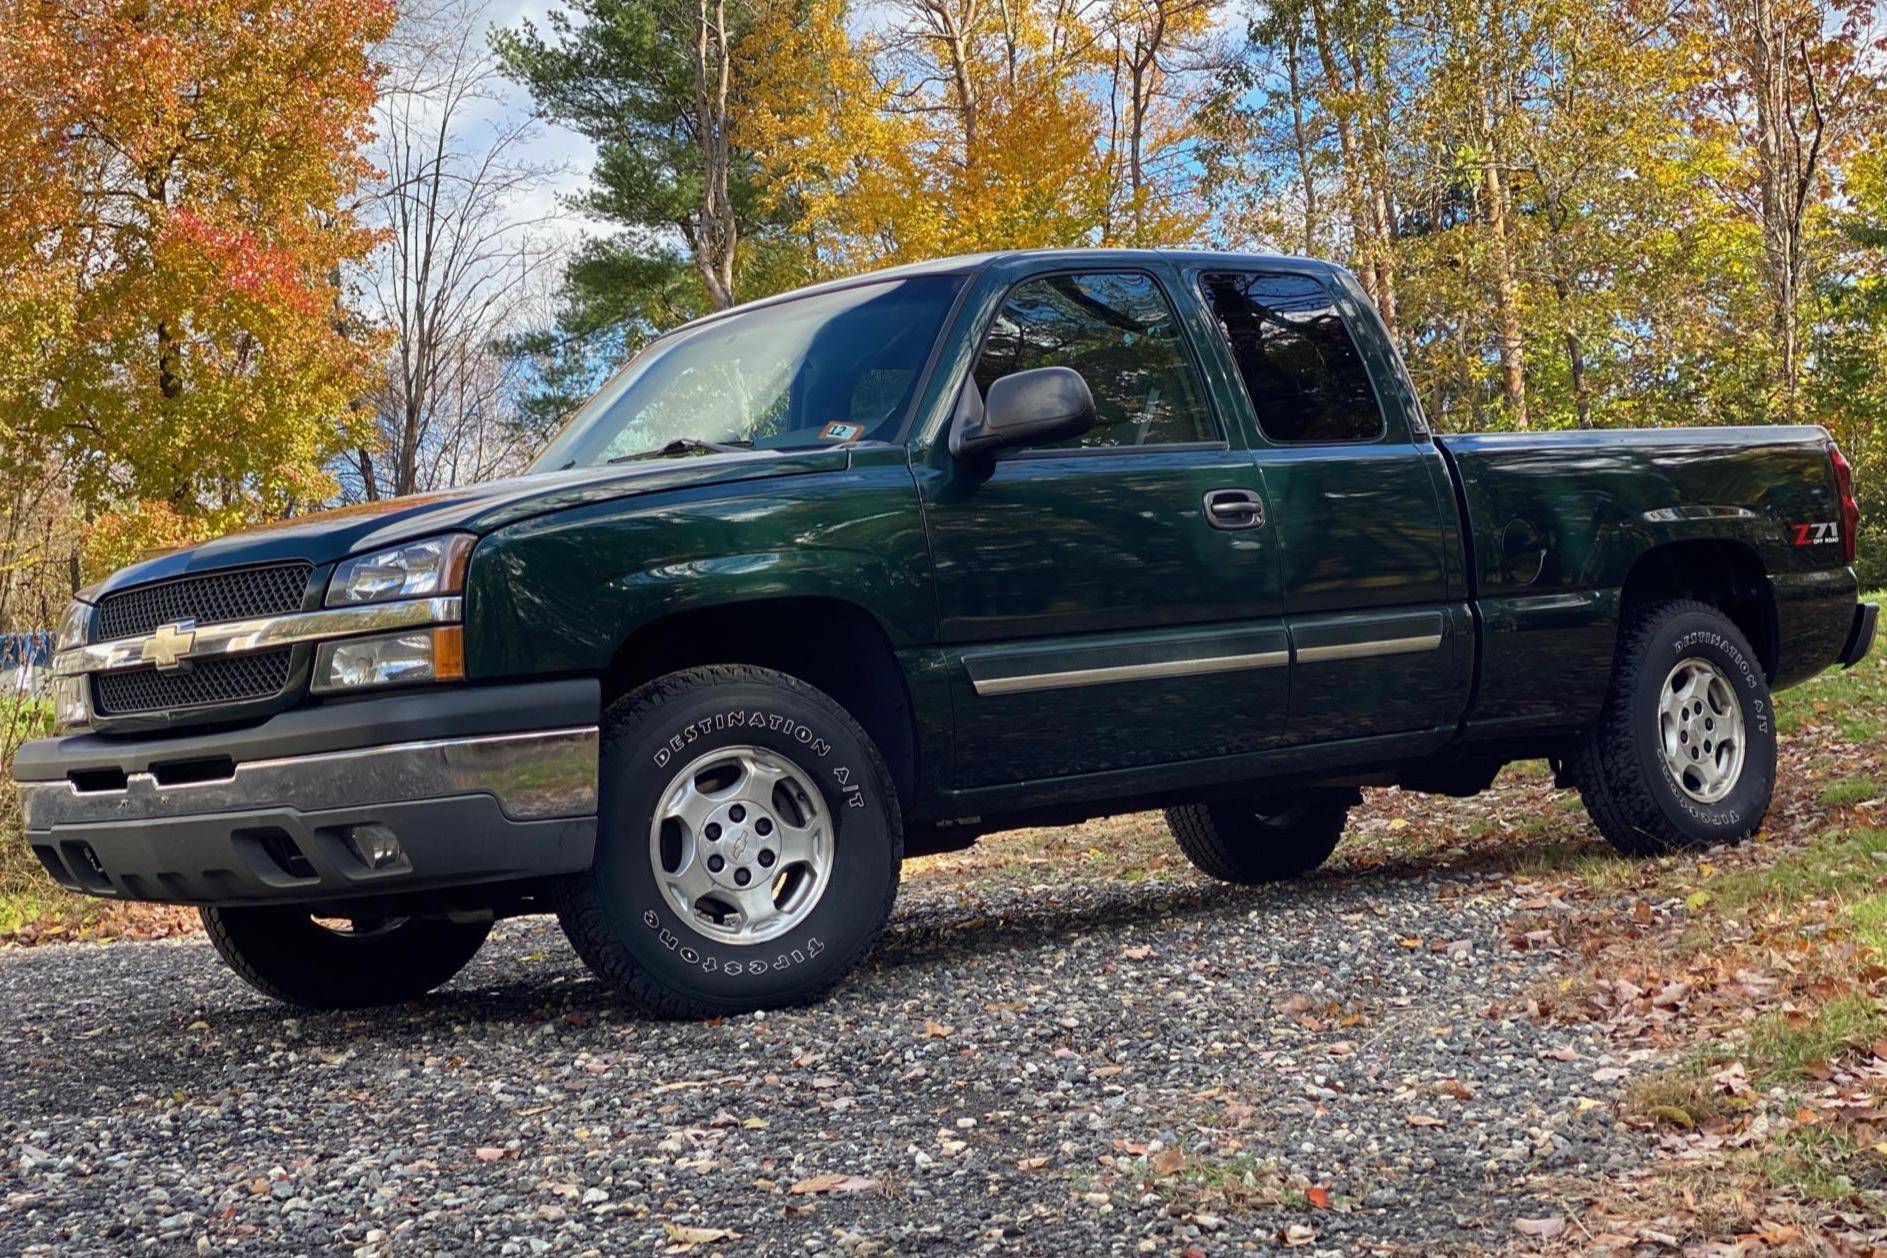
(748, 846)
(1683, 754)
(340, 963)
(1265, 839)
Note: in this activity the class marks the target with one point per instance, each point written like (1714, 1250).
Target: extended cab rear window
(1306, 381)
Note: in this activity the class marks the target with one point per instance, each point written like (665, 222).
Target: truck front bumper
(475, 785)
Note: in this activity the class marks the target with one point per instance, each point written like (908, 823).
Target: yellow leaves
(117, 538)
(912, 142)
(183, 229)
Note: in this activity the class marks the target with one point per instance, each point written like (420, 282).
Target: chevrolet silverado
(874, 568)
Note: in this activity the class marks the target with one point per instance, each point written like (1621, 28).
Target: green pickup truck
(871, 569)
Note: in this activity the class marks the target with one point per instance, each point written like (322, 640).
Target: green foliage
(621, 74)
(1849, 385)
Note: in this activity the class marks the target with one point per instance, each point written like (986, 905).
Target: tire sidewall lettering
(740, 719)
(831, 755)
(1733, 815)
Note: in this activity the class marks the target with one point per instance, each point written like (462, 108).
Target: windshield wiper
(685, 445)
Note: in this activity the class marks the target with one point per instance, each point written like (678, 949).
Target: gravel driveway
(1080, 1067)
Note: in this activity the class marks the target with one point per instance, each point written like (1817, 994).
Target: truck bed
(1558, 524)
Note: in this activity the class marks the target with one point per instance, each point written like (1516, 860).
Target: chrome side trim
(1129, 672)
(264, 632)
(549, 773)
(1363, 650)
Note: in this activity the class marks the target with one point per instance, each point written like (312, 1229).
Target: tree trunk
(717, 234)
(1786, 173)
(1494, 210)
(1300, 134)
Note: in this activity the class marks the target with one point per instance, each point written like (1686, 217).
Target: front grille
(209, 599)
(220, 679)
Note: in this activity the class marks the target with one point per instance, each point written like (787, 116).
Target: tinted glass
(821, 369)
(1119, 332)
(1305, 378)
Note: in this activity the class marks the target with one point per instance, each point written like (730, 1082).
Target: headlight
(415, 570)
(70, 707)
(75, 627)
(393, 659)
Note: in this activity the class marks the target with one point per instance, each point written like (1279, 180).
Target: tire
(1640, 805)
(286, 954)
(1265, 839)
(658, 921)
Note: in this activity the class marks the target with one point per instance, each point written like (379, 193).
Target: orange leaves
(174, 257)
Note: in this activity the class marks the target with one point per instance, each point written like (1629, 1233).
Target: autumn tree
(1162, 59)
(1799, 87)
(173, 224)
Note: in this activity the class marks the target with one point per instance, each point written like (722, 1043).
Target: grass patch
(1594, 864)
(1848, 794)
(33, 908)
(1852, 700)
(1782, 1046)
(1680, 1096)
(1843, 864)
(1234, 1184)
(1823, 1162)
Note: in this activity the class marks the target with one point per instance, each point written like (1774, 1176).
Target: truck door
(1112, 601)
(1360, 501)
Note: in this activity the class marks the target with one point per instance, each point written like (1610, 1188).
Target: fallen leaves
(832, 1182)
(1425, 1120)
(685, 1238)
(1546, 1228)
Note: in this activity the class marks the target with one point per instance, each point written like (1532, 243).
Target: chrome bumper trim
(262, 633)
(534, 776)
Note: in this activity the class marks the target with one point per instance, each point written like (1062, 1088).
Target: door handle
(1234, 509)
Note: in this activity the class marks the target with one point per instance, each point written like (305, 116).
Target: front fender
(560, 593)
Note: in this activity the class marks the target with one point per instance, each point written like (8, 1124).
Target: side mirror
(1026, 408)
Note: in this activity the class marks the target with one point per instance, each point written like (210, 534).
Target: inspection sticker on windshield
(839, 430)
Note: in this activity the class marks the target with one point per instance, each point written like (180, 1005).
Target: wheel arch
(835, 645)
(1727, 574)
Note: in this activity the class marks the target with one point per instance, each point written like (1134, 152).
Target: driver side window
(1120, 333)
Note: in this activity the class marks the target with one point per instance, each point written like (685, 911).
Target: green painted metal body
(1511, 552)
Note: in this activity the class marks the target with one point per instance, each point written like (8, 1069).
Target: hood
(330, 535)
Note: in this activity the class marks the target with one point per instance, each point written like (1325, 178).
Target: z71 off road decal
(1817, 533)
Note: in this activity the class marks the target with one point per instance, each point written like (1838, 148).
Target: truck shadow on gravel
(528, 979)
(925, 931)
(528, 976)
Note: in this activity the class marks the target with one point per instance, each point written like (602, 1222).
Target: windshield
(819, 370)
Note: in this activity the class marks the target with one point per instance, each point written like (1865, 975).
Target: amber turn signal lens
(448, 653)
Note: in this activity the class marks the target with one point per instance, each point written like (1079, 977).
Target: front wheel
(748, 846)
(322, 963)
(1683, 754)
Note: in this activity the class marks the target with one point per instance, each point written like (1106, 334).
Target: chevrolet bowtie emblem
(169, 645)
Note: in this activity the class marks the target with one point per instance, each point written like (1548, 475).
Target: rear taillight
(1850, 511)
